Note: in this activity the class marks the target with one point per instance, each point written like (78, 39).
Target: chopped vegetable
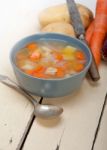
(60, 72)
(78, 67)
(68, 53)
(51, 71)
(41, 62)
(35, 56)
(58, 56)
(39, 72)
(67, 66)
(68, 50)
(29, 72)
(27, 67)
(39, 69)
(32, 46)
(26, 64)
(79, 55)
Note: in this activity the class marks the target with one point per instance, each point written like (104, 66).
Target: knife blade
(80, 33)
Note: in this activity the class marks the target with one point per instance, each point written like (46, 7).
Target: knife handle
(93, 70)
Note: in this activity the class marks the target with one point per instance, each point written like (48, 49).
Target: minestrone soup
(50, 60)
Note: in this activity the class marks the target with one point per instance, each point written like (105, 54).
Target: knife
(80, 33)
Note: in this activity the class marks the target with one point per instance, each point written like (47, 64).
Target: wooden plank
(101, 143)
(80, 118)
(18, 20)
(15, 110)
(15, 116)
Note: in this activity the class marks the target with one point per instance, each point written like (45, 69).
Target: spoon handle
(17, 88)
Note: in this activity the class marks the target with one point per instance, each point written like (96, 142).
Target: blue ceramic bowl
(50, 87)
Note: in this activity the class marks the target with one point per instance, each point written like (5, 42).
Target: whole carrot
(89, 32)
(100, 29)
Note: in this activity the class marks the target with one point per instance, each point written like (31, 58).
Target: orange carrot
(39, 72)
(32, 46)
(40, 69)
(60, 72)
(79, 55)
(100, 30)
(29, 72)
(58, 56)
(78, 67)
(89, 32)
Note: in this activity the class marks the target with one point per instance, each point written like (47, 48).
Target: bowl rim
(42, 35)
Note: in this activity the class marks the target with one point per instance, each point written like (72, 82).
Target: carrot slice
(78, 67)
(37, 70)
(29, 72)
(40, 69)
(32, 46)
(40, 72)
(79, 55)
(35, 56)
(60, 72)
(58, 56)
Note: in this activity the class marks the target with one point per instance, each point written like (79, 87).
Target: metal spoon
(40, 110)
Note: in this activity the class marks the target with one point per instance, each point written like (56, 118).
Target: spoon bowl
(47, 111)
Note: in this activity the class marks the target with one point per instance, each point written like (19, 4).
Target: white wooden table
(81, 110)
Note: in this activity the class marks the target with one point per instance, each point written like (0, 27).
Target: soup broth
(50, 60)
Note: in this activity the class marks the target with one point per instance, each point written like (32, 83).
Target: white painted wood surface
(80, 118)
(15, 112)
(81, 110)
(101, 143)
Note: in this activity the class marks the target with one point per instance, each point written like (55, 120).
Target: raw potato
(60, 13)
(59, 27)
(86, 15)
